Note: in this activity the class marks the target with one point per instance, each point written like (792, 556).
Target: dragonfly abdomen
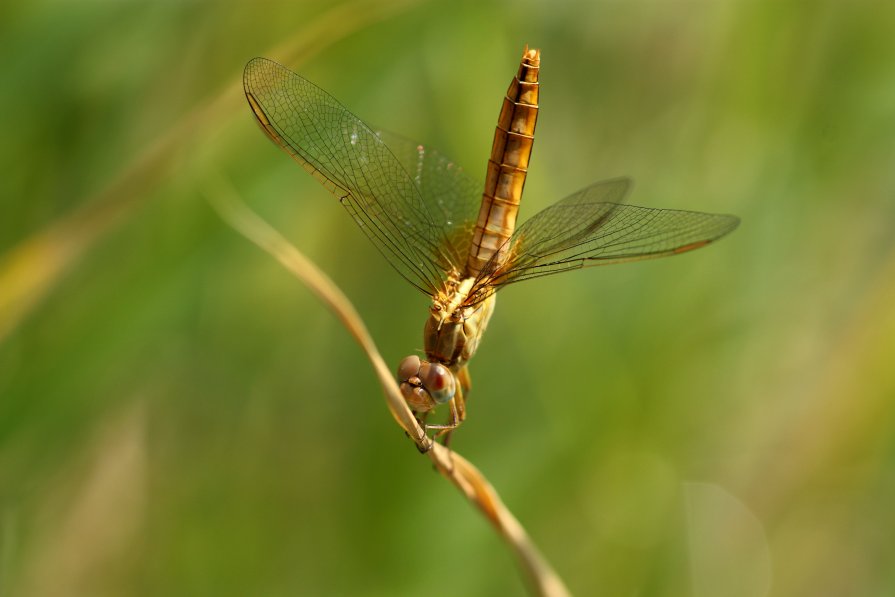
(507, 166)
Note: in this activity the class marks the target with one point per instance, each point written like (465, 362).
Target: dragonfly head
(425, 385)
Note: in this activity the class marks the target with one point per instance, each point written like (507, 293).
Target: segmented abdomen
(507, 166)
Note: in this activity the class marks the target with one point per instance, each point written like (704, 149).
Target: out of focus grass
(178, 416)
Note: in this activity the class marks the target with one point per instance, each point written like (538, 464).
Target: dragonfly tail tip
(531, 55)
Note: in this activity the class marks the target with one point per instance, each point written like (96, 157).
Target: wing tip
(733, 222)
(254, 62)
(249, 72)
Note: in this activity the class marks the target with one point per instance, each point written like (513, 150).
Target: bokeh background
(179, 416)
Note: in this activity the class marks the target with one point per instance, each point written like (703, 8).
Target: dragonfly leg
(458, 413)
(465, 381)
(455, 417)
(460, 398)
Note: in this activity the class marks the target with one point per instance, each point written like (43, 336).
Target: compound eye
(409, 367)
(438, 381)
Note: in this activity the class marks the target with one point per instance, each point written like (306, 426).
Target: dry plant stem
(467, 478)
(472, 483)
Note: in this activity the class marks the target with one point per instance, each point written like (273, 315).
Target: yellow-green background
(179, 416)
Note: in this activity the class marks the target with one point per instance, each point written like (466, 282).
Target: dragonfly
(448, 235)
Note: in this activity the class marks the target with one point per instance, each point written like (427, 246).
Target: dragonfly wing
(452, 196)
(591, 227)
(353, 163)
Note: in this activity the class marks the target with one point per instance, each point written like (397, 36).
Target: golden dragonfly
(447, 237)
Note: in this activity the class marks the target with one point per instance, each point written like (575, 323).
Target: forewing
(353, 163)
(452, 196)
(591, 227)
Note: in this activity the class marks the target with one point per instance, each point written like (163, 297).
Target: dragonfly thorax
(449, 305)
(453, 327)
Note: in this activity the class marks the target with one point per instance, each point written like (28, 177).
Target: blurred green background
(179, 416)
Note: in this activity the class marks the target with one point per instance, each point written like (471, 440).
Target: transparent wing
(353, 163)
(591, 228)
(451, 195)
